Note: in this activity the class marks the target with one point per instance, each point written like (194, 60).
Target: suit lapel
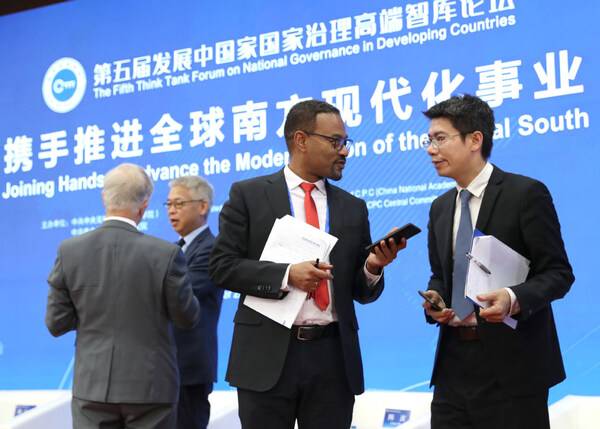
(277, 195)
(492, 191)
(196, 241)
(335, 210)
(335, 218)
(444, 230)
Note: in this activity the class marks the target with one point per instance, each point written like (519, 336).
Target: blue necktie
(462, 306)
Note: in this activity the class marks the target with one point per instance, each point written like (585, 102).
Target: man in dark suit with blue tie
(485, 373)
(188, 204)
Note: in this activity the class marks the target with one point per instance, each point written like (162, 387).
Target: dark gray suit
(119, 290)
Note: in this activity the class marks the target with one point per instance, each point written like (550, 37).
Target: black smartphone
(407, 231)
(434, 305)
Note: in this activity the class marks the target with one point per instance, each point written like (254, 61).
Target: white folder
(291, 241)
(494, 265)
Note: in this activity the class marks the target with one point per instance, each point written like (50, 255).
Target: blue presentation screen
(194, 87)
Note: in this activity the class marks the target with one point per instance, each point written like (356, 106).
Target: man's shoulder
(443, 199)
(257, 181)
(128, 234)
(521, 179)
(101, 239)
(78, 241)
(204, 240)
(514, 181)
(342, 193)
(157, 243)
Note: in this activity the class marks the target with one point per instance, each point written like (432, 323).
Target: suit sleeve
(551, 274)
(198, 273)
(182, 305)
(230, 267)
(61, 316)
(363, 292)
(436, 282)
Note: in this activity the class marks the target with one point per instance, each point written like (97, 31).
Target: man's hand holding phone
(396, 235)
(383, 254)
(435, 307)
(384, 251)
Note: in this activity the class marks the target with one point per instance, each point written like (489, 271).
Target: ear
(300, 143)
(143, 208)
(203, 208)
(476, 141)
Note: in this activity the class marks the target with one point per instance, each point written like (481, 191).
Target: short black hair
(302, 117)
(467, 113)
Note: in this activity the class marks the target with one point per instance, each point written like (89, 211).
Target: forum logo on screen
(64, 85)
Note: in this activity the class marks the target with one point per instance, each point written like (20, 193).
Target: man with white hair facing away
(121, 291)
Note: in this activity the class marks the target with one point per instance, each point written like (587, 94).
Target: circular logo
(64, 85)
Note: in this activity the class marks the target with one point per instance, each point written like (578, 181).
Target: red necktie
(321, 294)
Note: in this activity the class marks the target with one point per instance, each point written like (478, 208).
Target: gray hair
(199, 188)
(126, 187)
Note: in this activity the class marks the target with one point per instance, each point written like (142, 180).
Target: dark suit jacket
(259, 345)
(119, 290)
(197, 347)
(519, 212)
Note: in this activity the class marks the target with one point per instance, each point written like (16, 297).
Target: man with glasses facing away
(487, 375)
(188, 205)
(311, 372)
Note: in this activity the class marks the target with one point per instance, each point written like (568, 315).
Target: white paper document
(291, 241)
(494, 265)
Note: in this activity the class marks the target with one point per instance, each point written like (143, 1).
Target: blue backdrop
(203, 88)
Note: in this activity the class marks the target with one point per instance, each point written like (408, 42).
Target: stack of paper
(291, 241)
(493, 266)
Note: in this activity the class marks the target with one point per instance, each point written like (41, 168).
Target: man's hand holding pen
(307, 275)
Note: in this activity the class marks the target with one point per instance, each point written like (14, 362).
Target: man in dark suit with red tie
(487, 375)
(311, 372)
(188, 204)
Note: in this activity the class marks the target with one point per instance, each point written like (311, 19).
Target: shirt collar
(195, 233)
(293, 180)
(480, 182)
(122, 219)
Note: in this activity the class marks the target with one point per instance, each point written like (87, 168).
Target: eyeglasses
(178, 204)
(337, 142)
(438, 141)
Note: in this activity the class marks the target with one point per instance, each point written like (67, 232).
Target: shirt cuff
(284, 283)
(514, 304)
(372, 279)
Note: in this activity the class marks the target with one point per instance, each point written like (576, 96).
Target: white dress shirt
(310, 314)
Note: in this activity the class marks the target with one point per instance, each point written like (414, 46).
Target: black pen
(479, 264)
(317, 263)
